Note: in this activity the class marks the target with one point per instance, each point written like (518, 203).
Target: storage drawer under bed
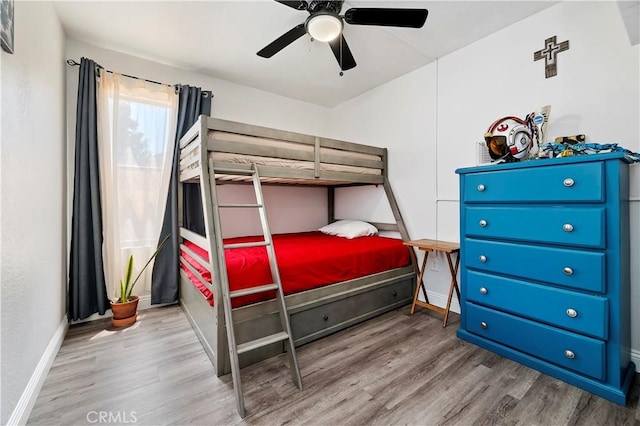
(337, 313)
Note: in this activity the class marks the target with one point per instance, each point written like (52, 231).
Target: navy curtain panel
(165, 278)
(87, 292)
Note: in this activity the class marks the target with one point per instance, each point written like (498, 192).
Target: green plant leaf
(129, 287)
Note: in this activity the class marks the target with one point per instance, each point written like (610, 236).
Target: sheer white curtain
(136, 129)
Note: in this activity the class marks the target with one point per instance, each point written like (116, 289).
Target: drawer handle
(481, 188)
(567, 227)
(568, 182)
(567, 270)
(483, 290)
(572, 313)
(483, 258)
(394, 294)
(483, 324)
(325, 317)
(483, 223)
(569, 354)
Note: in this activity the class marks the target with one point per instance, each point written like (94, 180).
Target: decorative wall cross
(549, 53)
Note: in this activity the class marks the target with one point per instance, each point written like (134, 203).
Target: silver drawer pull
(572, 313)
(567, 227)
(483, 223)
(483, 290)
(482, 258)
(568, 182)
(569, 354)
(483, 324)
(567, 270)
(481, 187)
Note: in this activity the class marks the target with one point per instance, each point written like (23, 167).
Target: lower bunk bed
(330, 283)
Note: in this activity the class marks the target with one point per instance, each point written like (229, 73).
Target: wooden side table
(447, 248)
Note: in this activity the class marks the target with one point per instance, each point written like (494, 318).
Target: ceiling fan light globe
(324, 27)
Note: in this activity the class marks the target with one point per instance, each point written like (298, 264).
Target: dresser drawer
(569, 350)
(583, 227)
(573, 311)
(568, 183)
(584, 270)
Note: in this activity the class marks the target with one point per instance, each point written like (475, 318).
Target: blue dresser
(545, 267)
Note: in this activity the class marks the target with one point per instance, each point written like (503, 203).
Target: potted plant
(125, 307)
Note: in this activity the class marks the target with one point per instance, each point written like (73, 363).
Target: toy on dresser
(511, 139)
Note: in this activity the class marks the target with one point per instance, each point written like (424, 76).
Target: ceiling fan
(325, 24)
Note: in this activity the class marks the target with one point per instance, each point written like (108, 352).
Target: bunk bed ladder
(283, 336)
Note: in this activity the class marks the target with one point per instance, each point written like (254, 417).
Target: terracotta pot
(125, 313)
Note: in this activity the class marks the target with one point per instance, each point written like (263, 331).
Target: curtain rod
(73, 63)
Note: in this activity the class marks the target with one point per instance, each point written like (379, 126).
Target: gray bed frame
(313, 313)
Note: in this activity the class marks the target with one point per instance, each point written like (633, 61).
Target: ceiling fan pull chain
(341, 73)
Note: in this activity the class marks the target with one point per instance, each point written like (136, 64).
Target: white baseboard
(635, 357)
(28, 398)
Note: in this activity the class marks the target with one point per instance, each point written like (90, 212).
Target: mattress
(303, 150)
(306, 260)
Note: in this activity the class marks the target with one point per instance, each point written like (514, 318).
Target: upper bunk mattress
(306, 260)
(243, 147)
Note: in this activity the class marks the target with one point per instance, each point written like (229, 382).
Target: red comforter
(306, 260)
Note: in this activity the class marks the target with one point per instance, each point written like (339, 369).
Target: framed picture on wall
(6, 31)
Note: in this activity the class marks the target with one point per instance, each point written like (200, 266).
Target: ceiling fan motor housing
(330, 6)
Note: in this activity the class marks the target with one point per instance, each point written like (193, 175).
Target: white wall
(289, 209)
(33, 225)
(401, 117)
(596, 92)
(432, 118)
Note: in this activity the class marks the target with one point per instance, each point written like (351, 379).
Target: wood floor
(394, 369)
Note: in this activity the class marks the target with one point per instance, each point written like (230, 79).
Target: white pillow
(350, 229)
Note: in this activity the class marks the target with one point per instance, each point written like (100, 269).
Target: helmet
(510, 138)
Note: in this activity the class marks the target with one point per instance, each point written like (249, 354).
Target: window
(136, 127)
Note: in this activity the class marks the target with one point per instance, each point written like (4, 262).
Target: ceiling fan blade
(283, 41)
(298, 5)
(342, 53)
(411, 18)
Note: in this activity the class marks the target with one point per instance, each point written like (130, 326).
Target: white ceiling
(221, 38)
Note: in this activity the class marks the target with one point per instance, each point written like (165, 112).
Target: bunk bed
(315, 309)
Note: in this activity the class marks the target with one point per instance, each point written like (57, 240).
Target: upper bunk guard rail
(265, 132)
(327, 160)
(188, 161)
(222, 145)
(191, 155)
(213, 226)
